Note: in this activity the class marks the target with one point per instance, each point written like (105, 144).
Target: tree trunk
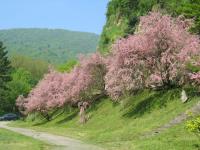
(82, 115)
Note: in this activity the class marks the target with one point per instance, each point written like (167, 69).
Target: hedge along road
(61, 142)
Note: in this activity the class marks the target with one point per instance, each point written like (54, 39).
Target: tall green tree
(5, 72)
(36, 67)
(21, 84)
(5, 67)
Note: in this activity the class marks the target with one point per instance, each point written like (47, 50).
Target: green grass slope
(52, 45)
(121, 126)
(13, 141)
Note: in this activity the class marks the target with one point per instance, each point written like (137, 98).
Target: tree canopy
(5, 76)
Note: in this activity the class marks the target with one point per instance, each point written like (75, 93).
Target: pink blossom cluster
(87, 79)
(59, 89)
(195, 77)
(48, 93)
(154, 57)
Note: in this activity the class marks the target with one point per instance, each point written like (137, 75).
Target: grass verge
(13, 141)
(119, 126)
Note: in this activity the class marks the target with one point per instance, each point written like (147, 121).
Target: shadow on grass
(196, 146)
(55, 114)
(149, 102)
(68, 118)
(96, 104)
(41, 123)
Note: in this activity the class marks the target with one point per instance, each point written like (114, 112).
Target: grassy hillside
(54, 46)
(14, 141)
(121, 126)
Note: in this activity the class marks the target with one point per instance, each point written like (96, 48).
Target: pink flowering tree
(125, 68)
(154, 57)
(171, 48)
(83, 85)
(195, 75)
(88, 83)
(47, 95)
(90, 78)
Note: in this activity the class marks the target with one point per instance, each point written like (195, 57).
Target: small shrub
(193, 125)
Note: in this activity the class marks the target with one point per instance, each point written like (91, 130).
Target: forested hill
(52, 45)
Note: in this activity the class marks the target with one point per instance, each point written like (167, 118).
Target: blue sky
(78, 15)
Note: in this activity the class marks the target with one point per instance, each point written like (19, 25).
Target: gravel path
(62, 143)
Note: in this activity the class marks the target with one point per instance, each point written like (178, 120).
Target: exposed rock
(184, 97)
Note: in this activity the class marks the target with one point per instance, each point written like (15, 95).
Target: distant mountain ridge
(53, 45)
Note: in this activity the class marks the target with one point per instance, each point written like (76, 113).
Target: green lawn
(13, 141)
(119, 126)
(176, 138)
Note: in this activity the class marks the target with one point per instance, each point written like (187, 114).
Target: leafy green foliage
(68, 66)
(54, 46)
(193, 68)
(191, 9)
(194, 125)
(36, 67)
(5, 67)
(25, 74)
(5, 70)
(123, 16)
(21, 84)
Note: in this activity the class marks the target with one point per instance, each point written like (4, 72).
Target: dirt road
(62, 143)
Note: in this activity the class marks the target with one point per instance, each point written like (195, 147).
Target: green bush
(193, 125)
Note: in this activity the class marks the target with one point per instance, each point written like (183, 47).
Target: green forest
(54, 46)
